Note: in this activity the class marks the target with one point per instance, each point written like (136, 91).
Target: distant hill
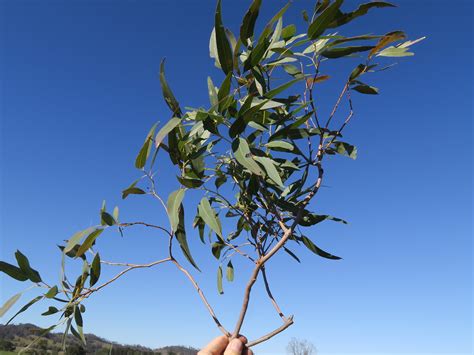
(13, 338)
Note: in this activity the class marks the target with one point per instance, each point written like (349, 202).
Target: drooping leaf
(290, 253)
(230, 271)
(95, 270)
(13, 271)
(9, 304)
(24, 265)
(144, 153)
(395, 52)
(271, 170)
(208, 215)
(191, 183)
(173, 205)
(181, 237)
(311, 246)
(343, 18)
(212, 92)
(242, 154)
(24, 308)
(219, 280)
(132, 191)
(280, 145)
(223, 92)
(361, 68)
(224, 51)
(166, 129)
(115, 214)
(323, 20)
(168, 94)
(248, 23)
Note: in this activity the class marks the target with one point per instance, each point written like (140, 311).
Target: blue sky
(79, 92)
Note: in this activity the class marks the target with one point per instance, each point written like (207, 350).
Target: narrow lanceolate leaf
(366, 89)
(280, 146)
(212, 92)
(230, 271)
(272, 93)
(271, 170)
(167, 93)
(322, 21)
(115, 214)
(95, 270)
(13, 271)
(88, 242)
(208, 215)
(223, 92)
(167, 128)
(181, 237)
(191, 183)
(24, 265)
(25, 307)
(395, 52)
(173, 205)
(242, 154)
(9, 304)
(132, 191)
(293, 255)
(224, 51)
(248, 24)
(311, 246)
(337, 52)
(219, 281)
(144, 153)
(344, 18)
(386, 40)
(360, 69)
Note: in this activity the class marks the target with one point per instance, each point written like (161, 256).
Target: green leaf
(288, 32)
(272, 93)
(51, 310)
(343, 18)
(208, 215)
(248, 23)
(230, 271)
(346, 149)
(310, 219)
(387, 39)
(13, 271)
(24, 265)
(224, 51)
(9, 304)
(108, 219)
(337, 52)
(25, 307)
(144, 153)
(311, 246)
(132, 191)
(167, 93)
(290, 253)
(181, 237)
(366, 89)
(52, 292)
(280, 146)
(95, 270)
(242, 154)
(224, 91)
(115, 214)
(212, 92)
(219, 280)
(271, 170)
(173, 205)
(322, 22)
(166, 129)
(88, 242)
(191, 183)
(361, 68)
(395, 52)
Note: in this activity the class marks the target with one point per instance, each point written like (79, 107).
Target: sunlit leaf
(230, 271)
(323, 20)
(167, 93)
(167, 128)
(208, 215)
(224, 50)
(89, 241)
(173, 205)
(219, 280)
(9, 304)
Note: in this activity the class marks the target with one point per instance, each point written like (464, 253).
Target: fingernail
(236, 345)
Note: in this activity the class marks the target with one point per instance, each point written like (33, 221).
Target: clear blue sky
(79, 92)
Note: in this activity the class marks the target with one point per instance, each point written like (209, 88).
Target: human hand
(222, 346)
